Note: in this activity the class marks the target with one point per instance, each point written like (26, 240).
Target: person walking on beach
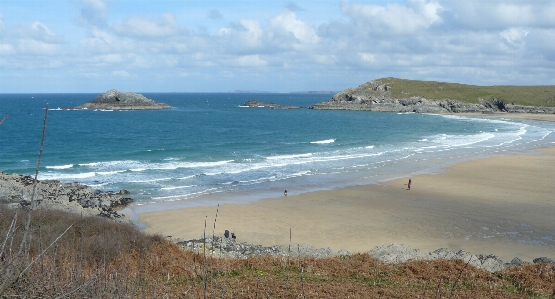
(408, 185)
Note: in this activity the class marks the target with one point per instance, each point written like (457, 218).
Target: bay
(207, 144)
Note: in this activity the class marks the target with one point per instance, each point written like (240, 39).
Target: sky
(85, 46)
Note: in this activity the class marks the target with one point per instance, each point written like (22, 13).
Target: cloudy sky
(222, 45)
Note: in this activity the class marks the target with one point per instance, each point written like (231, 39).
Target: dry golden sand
(501, 205)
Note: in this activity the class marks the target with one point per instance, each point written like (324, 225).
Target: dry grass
(98, 258)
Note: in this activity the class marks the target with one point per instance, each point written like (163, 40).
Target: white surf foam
(60, 166)
(327, 141)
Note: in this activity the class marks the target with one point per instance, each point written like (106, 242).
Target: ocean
(209, 149)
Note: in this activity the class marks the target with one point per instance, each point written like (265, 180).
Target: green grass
(520, 95)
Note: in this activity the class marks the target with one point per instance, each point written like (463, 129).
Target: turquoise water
(208, 145)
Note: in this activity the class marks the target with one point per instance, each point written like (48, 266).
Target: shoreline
(498, 205)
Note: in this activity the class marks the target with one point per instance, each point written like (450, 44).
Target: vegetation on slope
(431, 90)
(98, 258)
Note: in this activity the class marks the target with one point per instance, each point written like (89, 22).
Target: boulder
(543, 260)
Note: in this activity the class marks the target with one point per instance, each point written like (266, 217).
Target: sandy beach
(503, 205)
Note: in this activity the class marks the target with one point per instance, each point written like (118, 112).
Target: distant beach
(501, 205)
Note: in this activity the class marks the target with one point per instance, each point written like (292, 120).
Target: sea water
(208, 147)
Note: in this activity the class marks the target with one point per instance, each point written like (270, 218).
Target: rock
(491, 263)
(396, 253)
(16, 191)
(258, 104)
(543, 260)
(118, 100)
(399, 253)
(392, 253)
(223, 247)
(516, 262)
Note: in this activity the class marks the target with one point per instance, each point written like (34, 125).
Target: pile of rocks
(229, 248)
(393, 253)
(17, 190)
(398, 253)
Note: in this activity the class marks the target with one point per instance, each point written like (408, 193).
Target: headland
(401, 95)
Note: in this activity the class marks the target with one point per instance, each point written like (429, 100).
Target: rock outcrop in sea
(376, 96)
(119, 100)
(16, 192)
(258, 104)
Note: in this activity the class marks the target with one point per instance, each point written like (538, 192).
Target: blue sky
(218, 46)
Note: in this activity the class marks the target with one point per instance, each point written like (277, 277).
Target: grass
(98, 258)
(520, 95)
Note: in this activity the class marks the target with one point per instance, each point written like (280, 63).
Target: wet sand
(502, 205)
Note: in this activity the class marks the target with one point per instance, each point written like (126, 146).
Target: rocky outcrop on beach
(399, 253)
(230, 248)
(119, 100)
(376, 96)
(392, 253)
(16, 191)
(258, 104)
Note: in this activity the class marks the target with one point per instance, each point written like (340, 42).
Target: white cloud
(250, 61)
(143, 27)
(121, 74)
(245, 35)
(498, 15)
(393, 18)
(467, 41)
(287, 27)
(101, 41)
(7, 49)
(367, 58)
(514, 36)
(325, 59)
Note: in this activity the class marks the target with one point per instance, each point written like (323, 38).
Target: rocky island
(399, 95)
(119, 100)
(258, 104)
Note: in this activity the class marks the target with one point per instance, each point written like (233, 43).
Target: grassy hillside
(97, 258)
(520, 95)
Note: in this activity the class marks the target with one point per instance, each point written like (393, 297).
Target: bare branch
(43, 252)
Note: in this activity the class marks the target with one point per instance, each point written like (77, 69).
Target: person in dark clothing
(410, 181)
